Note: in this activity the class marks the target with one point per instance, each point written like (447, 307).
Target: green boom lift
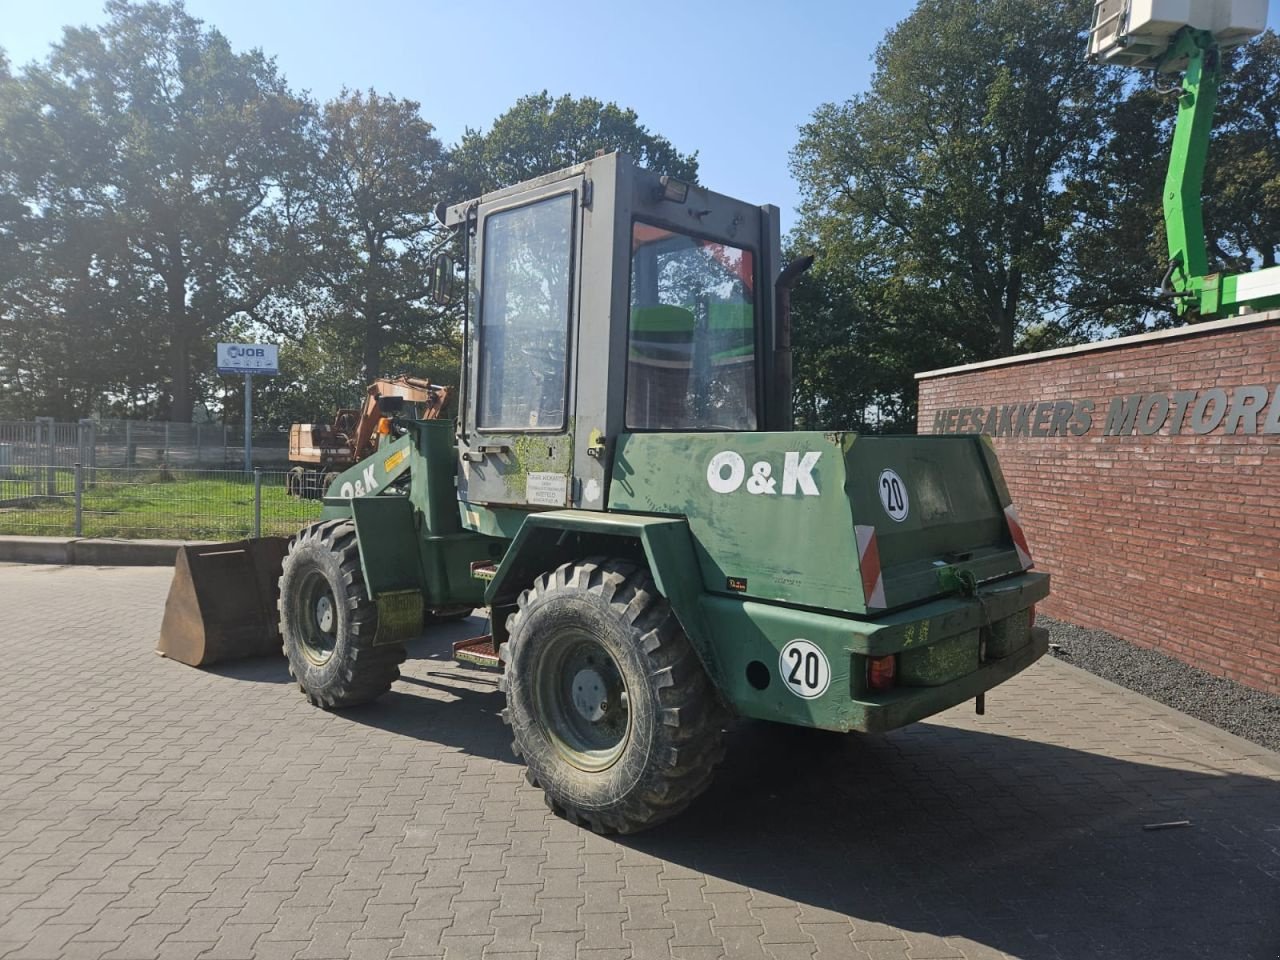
(657, 548)
(1188, 35)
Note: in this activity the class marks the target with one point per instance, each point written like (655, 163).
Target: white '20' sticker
(893, 495)
(804, 669)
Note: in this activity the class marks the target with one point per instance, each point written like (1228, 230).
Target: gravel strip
(1231, 706)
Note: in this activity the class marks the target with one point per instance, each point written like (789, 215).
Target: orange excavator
(318, 452)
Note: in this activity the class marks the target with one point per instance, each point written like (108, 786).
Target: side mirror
(442, 280)
(390, 406)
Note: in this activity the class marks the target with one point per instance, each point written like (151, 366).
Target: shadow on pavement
(1034, 849)
(1030, 848)
(257, 669)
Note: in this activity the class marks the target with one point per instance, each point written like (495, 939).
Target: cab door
(517, 443)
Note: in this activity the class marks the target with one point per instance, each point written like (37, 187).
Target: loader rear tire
(609, 706)
(328, 621)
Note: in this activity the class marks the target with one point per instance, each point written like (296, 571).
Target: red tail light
(880, 672)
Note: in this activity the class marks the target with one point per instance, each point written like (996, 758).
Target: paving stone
(791, 951)
(692, 928)
(603, 931)
(149, 810)
(649, 944)
(556, 946)
(512, 935)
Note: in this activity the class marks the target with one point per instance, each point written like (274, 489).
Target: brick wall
(1169, 539)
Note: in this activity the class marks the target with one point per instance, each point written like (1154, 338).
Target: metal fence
(135, 443)
(159, 503)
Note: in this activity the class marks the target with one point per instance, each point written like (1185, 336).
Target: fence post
(79, 501)
(44, 433)
(257, 502)
(87, 443)
(129, 451)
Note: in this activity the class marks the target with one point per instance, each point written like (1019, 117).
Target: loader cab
(604, 299)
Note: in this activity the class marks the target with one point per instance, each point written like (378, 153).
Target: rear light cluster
(881, 671)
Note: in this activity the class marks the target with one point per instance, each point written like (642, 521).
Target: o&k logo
(727, 472)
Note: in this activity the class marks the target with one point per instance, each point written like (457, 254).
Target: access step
(478, 652)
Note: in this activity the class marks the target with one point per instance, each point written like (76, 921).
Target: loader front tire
(328, 621)
(609, 706)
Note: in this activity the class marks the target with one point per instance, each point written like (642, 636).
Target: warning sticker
(394, 460)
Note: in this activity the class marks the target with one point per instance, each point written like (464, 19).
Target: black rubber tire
(355, 671)
(294, 481)
(675, 735)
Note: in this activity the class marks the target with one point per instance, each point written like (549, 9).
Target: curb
(92, 552)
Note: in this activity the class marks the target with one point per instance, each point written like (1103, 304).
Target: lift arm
(1188, 278)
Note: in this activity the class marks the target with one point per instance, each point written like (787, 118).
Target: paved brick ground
(151, 810)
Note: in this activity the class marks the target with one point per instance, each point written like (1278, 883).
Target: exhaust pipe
(783, 418)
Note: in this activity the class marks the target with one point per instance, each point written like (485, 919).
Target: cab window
(524, 316)
(691, 333)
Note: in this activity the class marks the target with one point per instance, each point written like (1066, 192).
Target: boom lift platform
(1188, 36)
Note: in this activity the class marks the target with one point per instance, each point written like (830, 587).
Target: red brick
(1171, 541)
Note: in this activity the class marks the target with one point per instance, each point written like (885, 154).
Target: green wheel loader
(658, 550)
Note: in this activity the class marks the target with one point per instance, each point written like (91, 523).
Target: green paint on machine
(826, 580)
(812, 552)
(778, 513)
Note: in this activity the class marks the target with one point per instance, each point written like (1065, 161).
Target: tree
(157, 160)
(373, 233)
(1118, 246)
(72, 319)
(938, 195)
(541, 134)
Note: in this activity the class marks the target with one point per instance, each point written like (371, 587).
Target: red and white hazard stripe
(1019, 538)
(869, 563)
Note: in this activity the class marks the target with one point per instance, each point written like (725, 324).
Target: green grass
(134, 504)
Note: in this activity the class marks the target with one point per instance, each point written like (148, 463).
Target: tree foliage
(541, 134)
(1117, 239)
(153, 150)
(160, 191)
(373, 233)
(993, 192)
(947, 174)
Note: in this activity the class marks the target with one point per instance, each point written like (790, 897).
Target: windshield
(691, 344)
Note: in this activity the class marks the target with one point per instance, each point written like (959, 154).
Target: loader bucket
(222, 602)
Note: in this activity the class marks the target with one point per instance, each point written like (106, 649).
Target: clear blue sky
(733, 81)
(730, 80)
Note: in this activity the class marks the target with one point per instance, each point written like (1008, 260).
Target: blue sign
(260, 358)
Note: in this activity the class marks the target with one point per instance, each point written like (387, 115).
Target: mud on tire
(609, 706)
(328, 621)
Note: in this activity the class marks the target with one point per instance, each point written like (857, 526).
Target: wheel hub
(590, 698)
(316, 617)
(324, 614)
(582, 699)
